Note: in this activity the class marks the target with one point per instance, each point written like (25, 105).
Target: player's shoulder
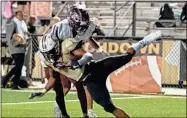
(61, 26)
(60, 29)
(63, 22)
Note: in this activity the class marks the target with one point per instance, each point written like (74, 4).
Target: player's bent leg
(57, 111)
(101, 96)
(110, 64)
(104, 67)
(114, 62)
(82, 97)
(60, 95)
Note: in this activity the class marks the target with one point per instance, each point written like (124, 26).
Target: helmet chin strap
(83, 27)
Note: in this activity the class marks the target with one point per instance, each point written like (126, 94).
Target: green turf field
(17, 104)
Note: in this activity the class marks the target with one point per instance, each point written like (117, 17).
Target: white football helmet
(49, 47)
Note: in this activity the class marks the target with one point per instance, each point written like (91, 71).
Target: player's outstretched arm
(48, 86)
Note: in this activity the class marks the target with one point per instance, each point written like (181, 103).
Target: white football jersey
(42, 59)
(62, 30)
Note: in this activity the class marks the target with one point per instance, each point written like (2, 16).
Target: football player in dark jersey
(70, 59)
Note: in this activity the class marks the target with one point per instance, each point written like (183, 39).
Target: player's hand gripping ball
(18, 38)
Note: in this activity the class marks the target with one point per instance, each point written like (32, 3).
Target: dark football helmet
(78, 18)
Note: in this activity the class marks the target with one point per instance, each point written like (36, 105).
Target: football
(18, 38)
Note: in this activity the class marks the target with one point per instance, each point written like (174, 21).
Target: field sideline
(17, 104)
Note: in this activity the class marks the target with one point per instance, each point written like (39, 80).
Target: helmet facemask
(52, 55)
(82, 28)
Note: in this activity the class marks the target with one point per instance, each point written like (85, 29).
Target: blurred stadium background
(162, 71)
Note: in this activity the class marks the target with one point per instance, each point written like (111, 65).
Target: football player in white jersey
(69, 28)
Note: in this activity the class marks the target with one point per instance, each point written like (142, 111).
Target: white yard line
(119, 98)
(38, 102)
(74, 92)
(24, 90)
(71, 92)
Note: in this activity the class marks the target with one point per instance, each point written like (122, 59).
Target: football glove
(37, 94)
(59, 65)
(75, 65)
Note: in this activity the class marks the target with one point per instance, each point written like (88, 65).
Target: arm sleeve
(87, 57)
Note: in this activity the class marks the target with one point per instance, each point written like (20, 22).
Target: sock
(147, 40)
(89, 110)
(57, 111)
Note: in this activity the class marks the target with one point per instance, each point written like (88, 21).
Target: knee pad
(105, 103)
(101, 96)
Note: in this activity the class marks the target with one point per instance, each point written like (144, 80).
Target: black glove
(75, 65)
(38, 94)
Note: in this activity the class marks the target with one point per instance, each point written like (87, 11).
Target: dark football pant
(65, 82)
(96, 81)
(16, 70)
